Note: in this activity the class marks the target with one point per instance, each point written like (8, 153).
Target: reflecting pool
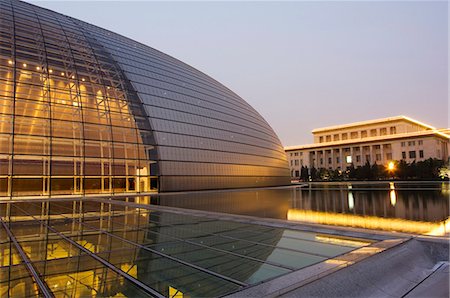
(79, 248)
(412, 207)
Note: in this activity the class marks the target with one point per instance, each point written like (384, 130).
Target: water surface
(413, 207)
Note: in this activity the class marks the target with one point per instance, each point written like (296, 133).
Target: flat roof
(425, 133)
(381, 120)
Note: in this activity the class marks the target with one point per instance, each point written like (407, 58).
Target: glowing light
(371, 222)
(348, 158)
(445, 188)
(442, 229)
(62, 74)
(367, 250)
(10, 62)
(175, 293)
(50, 71)
(337, 262)
(38, 68)
(73, 77)
(24, 65)
(391, 166)
(83, 79)
(351, 200)
(392, 193)
(340, 240)
(130, 269)
(75, 104)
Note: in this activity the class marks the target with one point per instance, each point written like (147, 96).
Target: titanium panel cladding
(87, 111)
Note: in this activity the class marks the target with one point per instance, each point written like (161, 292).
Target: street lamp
(391, 168)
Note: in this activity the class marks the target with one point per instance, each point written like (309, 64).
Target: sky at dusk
(302, 65)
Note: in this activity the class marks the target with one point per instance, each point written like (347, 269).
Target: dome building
(87, 111)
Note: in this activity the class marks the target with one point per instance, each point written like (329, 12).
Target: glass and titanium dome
(87, 111)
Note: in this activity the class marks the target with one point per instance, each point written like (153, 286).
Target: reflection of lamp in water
(445, 188)
(351, 201)
(392, 193)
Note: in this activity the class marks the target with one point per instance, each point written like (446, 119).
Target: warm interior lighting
(10, 62)
(83, 79)
(175, 293)
(371, 222)
(62, 74)
(73, 77)
(24, 65)
(50, 71)
(348, 159)
(38, 68)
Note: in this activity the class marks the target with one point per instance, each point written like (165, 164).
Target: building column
(351, 154)
(333, 162)
(371, 153)
(361, 153)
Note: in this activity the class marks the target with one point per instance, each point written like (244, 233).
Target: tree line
(430, 169)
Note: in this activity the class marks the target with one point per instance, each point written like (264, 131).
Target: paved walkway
(436, 285)
(413, 269)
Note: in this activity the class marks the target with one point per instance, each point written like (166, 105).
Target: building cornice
(425, 133)
(375, 121)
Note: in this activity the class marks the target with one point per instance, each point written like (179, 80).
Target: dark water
(413, 207)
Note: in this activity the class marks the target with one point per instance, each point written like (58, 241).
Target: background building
(376, 141)
(87, 111)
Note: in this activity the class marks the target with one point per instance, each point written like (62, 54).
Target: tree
(313, 174)
(304, 173)
(351, 172)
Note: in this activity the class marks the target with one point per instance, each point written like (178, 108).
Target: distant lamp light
(50, 71)
(38, 68)
(391, 166)
(24, 65)
(10, 62)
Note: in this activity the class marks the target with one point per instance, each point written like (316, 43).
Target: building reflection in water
(272, 203)
(417, 207)
(423, 210)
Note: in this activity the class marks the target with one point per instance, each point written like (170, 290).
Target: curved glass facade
(84, 110)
